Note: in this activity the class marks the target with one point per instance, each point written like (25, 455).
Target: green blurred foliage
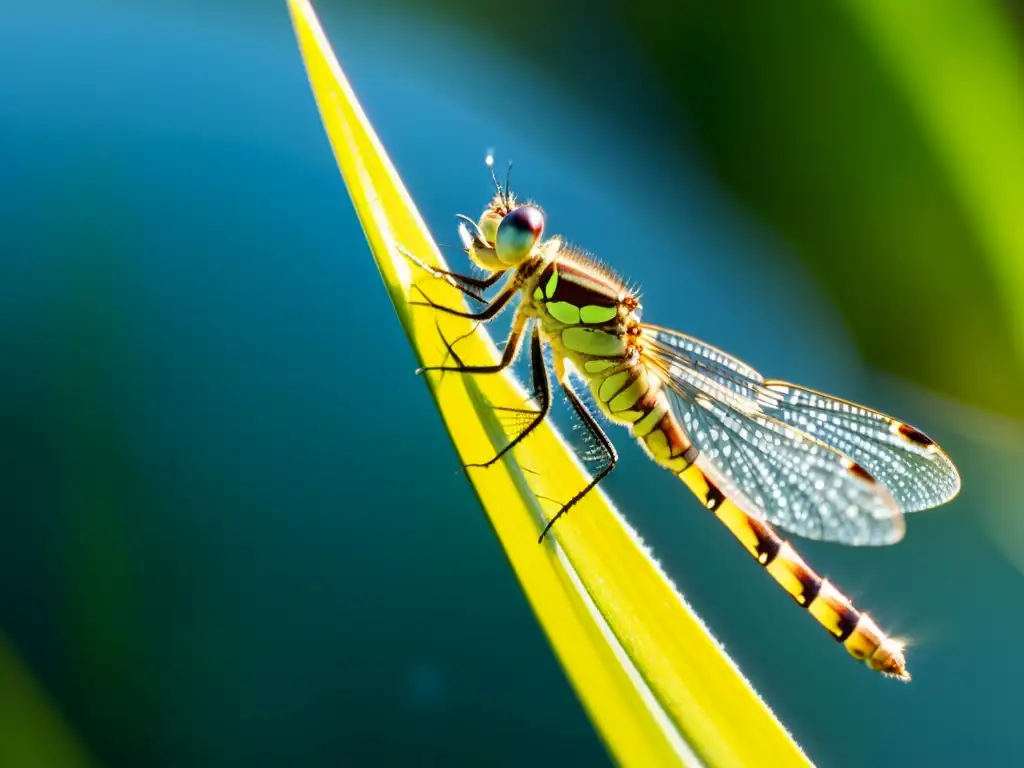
(799, 110)
(803, 117)
(32, 733)
(809, 131)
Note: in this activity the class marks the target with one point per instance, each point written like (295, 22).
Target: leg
(450, 345)
(475, 282)
(542, 391)
(497, 304)
(507, 357)
(611, 457)
(451, 277)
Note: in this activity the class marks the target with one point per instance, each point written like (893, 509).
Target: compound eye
(518, 232)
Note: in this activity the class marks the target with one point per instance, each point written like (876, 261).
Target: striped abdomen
(588, 316)
(658, 431)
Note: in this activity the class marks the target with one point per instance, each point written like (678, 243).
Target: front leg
(542, 392)
(454, 279)
(507, 357)
(609, 455)
(497, 304)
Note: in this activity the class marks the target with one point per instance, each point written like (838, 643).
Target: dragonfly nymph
(757, 452)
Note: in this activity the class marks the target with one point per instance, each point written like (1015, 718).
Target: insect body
(756, 452)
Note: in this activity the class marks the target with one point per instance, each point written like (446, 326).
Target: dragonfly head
(495, 211)
(505, 234)
(517, 233)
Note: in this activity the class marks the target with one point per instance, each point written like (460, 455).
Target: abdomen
(632, 395)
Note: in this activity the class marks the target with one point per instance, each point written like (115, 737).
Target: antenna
(508, 188)
(497, 184)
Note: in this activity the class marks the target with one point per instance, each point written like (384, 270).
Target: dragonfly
(759, 453)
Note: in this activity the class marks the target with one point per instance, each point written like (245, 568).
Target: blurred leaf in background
(884, 144)
(32, 732)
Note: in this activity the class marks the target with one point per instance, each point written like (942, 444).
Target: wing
(801, 460)
(917, 472)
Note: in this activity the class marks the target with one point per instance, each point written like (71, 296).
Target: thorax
(585, 312)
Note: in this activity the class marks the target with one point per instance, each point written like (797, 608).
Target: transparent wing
(917, 472)
(703, 368)
(762, 437)
(778, 473)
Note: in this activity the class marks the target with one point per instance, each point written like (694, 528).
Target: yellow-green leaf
(658, 688)
(32, 731)
(960, 70)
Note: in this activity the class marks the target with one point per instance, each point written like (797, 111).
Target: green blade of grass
(961, 73)
(32, 731)
(658, 688)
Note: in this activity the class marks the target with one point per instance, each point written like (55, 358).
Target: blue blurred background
(233, 531)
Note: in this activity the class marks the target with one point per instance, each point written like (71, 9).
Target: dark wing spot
(858, 471)
(915, 436)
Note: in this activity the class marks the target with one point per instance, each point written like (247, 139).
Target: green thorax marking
(595, 314)
(593, 342)
(573, 292)
(552, 284)
(564, 312)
